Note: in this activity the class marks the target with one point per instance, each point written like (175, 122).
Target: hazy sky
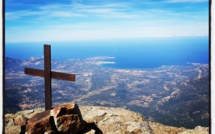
(68, 20)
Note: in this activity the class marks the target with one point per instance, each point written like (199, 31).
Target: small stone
(10, 123)
(90, 132)
(50, 132)
(28, 112)
(20, 120)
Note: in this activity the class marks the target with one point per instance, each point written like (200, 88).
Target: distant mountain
(12, 64)
(172, 95)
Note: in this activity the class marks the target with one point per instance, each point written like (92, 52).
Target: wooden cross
(48, 74)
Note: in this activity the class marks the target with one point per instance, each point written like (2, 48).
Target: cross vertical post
(47, 73)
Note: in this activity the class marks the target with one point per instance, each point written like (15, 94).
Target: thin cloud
(106, 10)
(99, 34)
(72, 10)
(47, 11)
(80, 21)
(23, 13)
(110, 10)
(65, 14)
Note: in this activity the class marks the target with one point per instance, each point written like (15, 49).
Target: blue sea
(128, 53)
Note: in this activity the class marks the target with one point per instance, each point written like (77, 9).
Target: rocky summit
(73, 119)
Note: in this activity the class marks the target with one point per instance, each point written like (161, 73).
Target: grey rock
(13, 130)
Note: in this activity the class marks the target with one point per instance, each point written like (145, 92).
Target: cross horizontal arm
(62, 76)
(35, 72)
(55, 75)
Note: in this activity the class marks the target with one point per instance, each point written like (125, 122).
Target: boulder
(116, 120)
(63, 119)
(20, 120)
(13, 130)
(16, 125)
(67, 118)
(39, 123)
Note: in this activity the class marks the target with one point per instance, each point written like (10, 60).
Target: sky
(75, 20)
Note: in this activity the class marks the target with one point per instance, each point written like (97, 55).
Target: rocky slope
(90, 120)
